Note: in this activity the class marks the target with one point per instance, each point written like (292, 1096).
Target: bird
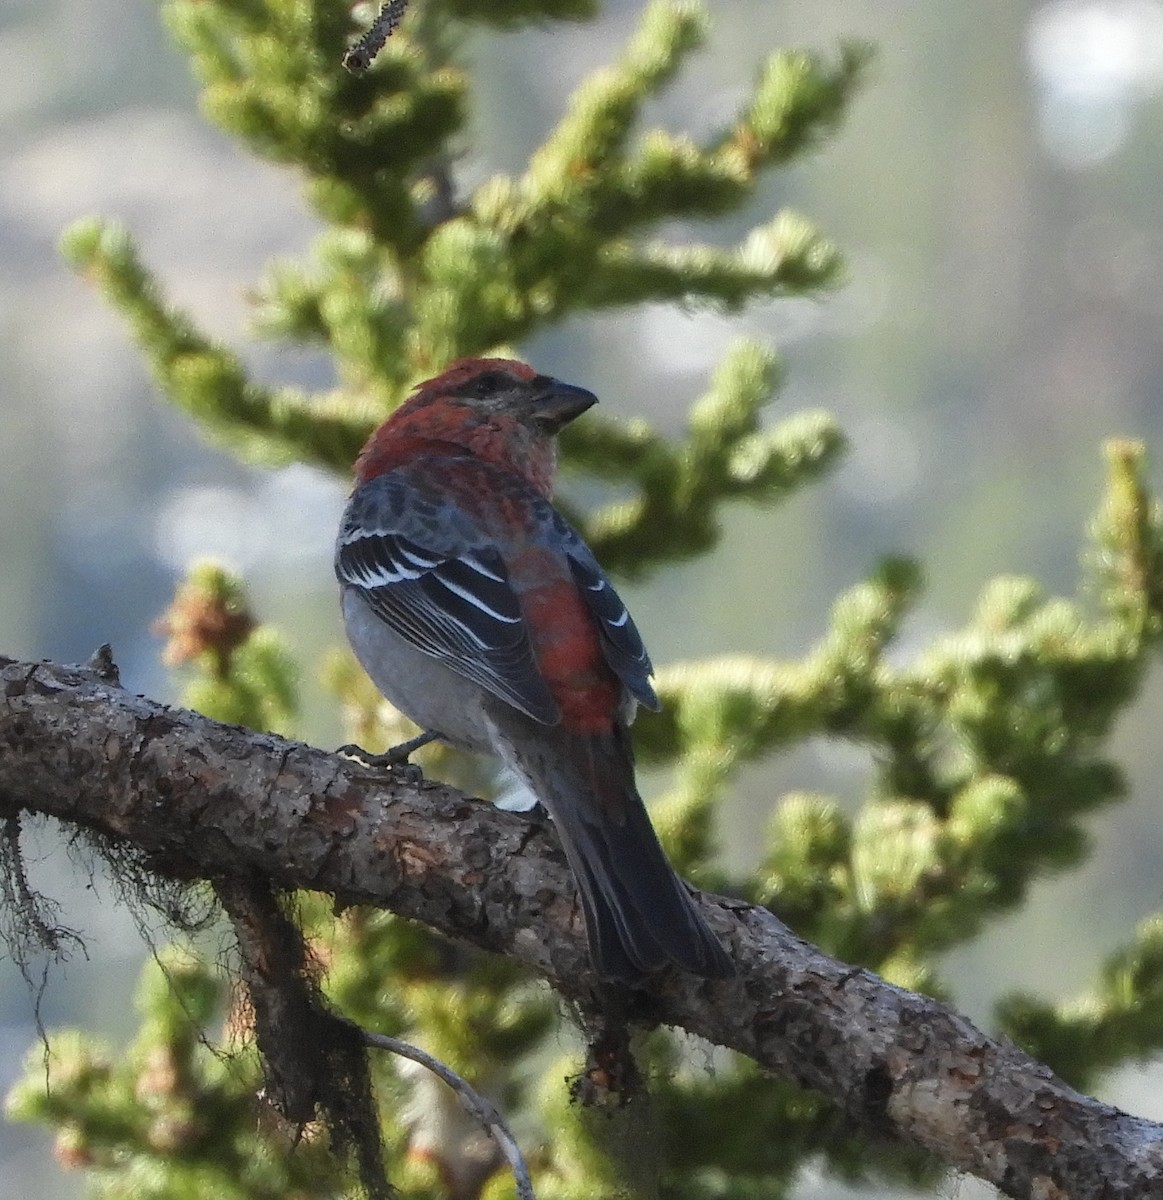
(481, 614)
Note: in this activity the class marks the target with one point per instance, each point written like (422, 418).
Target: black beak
(556, 404)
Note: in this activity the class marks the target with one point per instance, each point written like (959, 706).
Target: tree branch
(476, 1105)
(205, 800)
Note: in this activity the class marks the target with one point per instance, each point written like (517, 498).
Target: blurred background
(997, 191)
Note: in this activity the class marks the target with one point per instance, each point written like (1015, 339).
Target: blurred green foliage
(989, 743)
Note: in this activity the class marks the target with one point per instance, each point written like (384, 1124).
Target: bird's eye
(489, 383)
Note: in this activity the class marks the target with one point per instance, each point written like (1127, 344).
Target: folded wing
(452, 601)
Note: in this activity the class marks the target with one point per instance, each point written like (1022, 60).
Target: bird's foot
(393, 761)
(536, 814)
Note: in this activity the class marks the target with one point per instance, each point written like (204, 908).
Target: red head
(497, 409)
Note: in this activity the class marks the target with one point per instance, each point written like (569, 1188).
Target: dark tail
(639, 915)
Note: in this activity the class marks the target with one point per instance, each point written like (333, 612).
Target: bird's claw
(536, 814)
(393, 761)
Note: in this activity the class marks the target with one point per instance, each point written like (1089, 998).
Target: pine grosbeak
(481, 614)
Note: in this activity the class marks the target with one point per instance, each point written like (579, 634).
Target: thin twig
(363, 53)
(475, 1104)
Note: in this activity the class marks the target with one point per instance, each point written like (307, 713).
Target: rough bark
(207, 799)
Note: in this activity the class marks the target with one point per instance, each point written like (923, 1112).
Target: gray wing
(443, 587)
(621, 642)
